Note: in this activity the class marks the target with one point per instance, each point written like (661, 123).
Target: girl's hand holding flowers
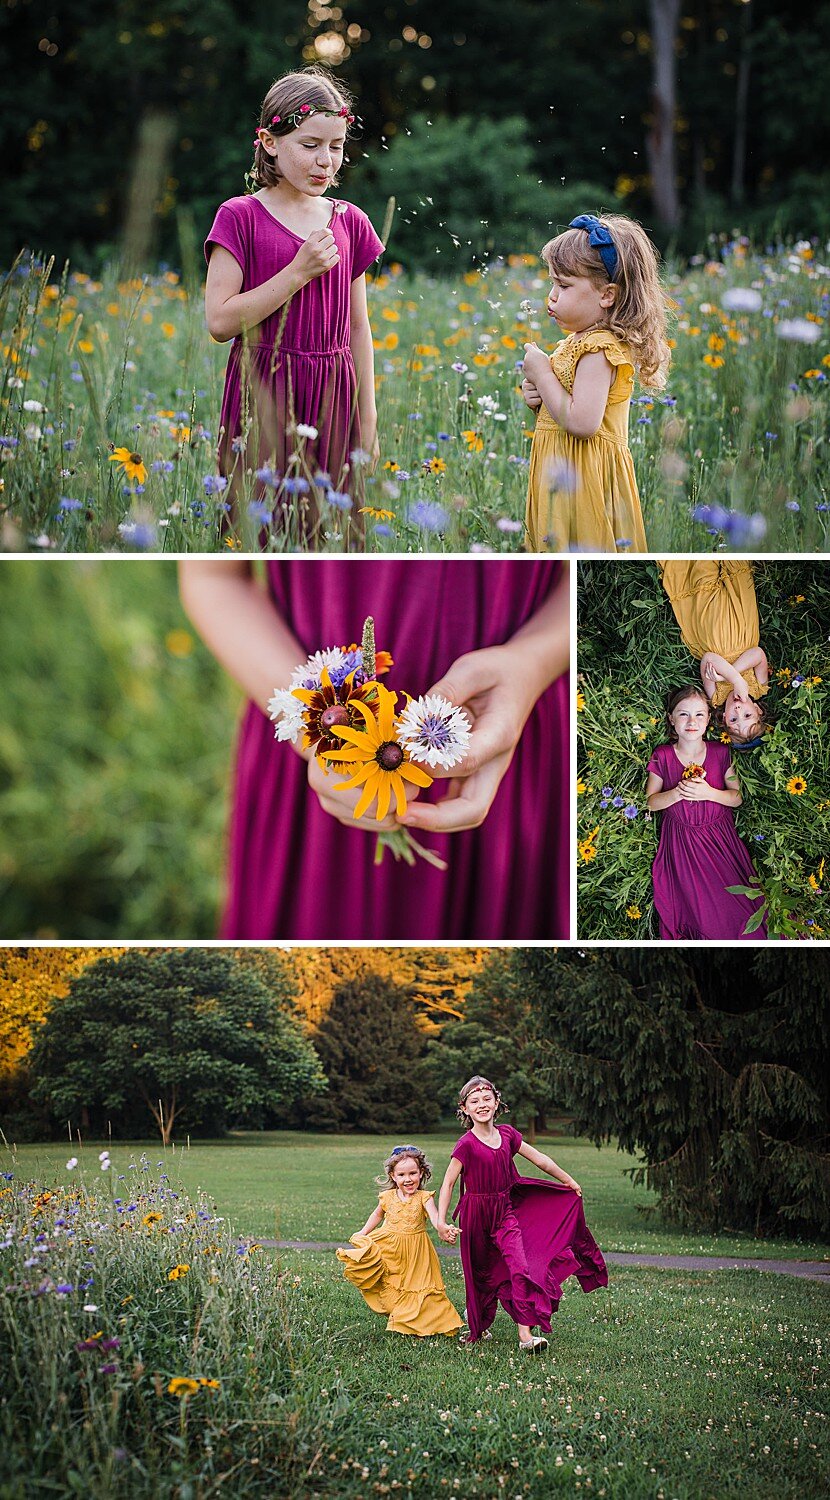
(317, 254)
(536, 363)
(497, 689)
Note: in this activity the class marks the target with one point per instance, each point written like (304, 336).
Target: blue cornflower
(214, 484)
(259, 512)
(792, 505)
(618, 802)
(607, 791)
(630, 811)
(429, 515)
(67, 503)
(771, 437)
(268, 476)
(339, 499)
(296, 486)
(431, 447)
(383, 530)
(443, 437)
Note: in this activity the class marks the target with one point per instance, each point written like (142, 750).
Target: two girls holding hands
(520, 1237)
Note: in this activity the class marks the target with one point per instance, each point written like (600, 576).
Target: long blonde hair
(638, 314)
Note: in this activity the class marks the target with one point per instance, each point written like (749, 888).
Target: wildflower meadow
(630, 656)
(179, 1356)
(111, 391)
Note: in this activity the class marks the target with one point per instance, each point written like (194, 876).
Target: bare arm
(451, 1177)
(363, 354)
(581, 412)
(656, 799)
(547, 1164)
(447, 1232)
(715, 668)
(238, 622)
(373, 1221)
(229, 309)
(755, 660)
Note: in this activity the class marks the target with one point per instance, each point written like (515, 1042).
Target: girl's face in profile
(689, 719)
(576, 304)
(310, 157)
(480, 1105)
(740, 717)
(406, 1175)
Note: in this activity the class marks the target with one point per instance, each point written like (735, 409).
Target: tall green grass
(629, 655)
(118, 1287)
(127, 364)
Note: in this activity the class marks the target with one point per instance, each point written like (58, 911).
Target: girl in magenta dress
(297, 873)
(520, 1237)
(693, 783)
(286, 280)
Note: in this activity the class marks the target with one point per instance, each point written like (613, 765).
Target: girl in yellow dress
(714, 604)
(605, 291)
(393, 1261)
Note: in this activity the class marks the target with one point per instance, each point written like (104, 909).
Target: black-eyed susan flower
(182, 1385)
(328, 707)
(131, 463)
(177, 1272)
(633, 913)
(372, 758)
(796, 786)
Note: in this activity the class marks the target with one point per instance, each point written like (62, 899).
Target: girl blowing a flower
(286, 282)
(393, 1262)
(605, 291)
(693, 783)
(520, 1237)
(714, 604)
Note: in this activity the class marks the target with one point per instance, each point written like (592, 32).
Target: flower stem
(404, 846)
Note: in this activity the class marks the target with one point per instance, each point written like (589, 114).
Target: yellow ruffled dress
(396, 1269)
(582, 492)
(714, 604)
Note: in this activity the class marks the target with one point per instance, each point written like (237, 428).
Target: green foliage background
(114, 754)
(629, 656)
(76, 85)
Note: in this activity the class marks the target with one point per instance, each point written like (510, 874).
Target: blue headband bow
(403, 1150)
(748, 744)
(600, 238)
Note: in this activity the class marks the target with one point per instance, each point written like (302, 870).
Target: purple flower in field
(618, 802)
(64, 1288)
(792, 505)
(108, 1369)
(268, 476)
(214, 484)
(560, 475)
(607, 791)
(162, 466)
(109, 1344)
(259, 512)
(296, 486)
(339, 499)
(630, 811)
(504, 523)
(9, 442)
(67, 503)
(429, 515)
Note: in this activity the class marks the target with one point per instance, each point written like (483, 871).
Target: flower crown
(404, 1151)
(298, 116)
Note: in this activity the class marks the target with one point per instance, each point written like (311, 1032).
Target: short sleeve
(514, 1137)
(656, 764)
(366, 244)
(461, 1149)
(426, 1194)
(600, 341)
(228, 231)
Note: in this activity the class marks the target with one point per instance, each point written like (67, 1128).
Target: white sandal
(533, 1345)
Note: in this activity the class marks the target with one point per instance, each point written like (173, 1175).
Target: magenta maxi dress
(520, 1237)
(302, 371)
(296, 873)
(698, 856)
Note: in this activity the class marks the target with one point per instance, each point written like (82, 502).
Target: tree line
(485, 121)
(711, 1066)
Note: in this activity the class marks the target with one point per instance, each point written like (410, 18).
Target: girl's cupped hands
(498, 696)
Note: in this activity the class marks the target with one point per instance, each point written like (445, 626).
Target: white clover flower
(433, 731)
(303, 429)
(742, 299)
(798, 331)
(72, 1163)
(287, 713)
(308, 675)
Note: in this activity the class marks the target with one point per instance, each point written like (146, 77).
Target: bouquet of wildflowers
(352, 723)
(693, 772)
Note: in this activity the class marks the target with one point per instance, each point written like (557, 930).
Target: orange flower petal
(414, 773)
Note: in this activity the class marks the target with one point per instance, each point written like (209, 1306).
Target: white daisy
(433, 731)
(287, 713)
(308, 675)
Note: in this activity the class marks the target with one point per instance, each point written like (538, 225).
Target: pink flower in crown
(275, 119)
(305, 109)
